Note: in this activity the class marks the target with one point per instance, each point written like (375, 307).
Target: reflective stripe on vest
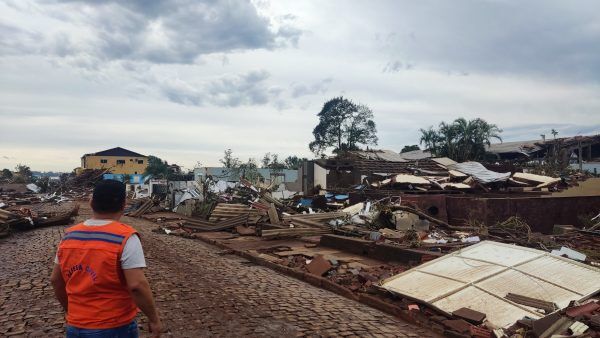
(94, 236)
(89, 257)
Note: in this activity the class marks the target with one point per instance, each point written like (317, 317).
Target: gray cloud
(17, 41)
(515, 133)
(247, 89)
(547, 38)
(228, 91)
(396, 66)
(155, 31)
(299, 90)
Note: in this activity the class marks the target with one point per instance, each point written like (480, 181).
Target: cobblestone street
(199, 291)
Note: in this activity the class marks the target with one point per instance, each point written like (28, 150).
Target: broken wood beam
(273, 216)
(292, 232)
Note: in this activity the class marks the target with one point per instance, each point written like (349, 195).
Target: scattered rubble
(480, 280)
(23, 207)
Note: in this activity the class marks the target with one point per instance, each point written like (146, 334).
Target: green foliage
(271, 161)
(294, 162)
(343, 125)
(157, 167)
(6, 173)
(460, 140)
(248, 170)
(410, 148)
(228, 161)
(22, 174)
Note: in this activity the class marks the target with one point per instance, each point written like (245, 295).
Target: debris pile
(35, 216)
(393, 240)
(470, 177)
(77, 186)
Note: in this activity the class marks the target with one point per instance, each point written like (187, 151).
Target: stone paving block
(199, 292)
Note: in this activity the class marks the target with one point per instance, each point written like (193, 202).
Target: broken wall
(541, 213)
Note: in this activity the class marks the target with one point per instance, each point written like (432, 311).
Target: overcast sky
(185, 80)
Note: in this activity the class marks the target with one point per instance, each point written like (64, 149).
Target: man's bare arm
(142, 296)
(58, 284)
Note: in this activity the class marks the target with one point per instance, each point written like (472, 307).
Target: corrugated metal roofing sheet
(479, 172)
(480, 276)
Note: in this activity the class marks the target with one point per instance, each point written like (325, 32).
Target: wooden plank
(317, 216)
(273, 216)
(308, 223)
(292, 232)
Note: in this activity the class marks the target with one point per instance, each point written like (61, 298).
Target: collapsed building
(458, 247)
(458, 193)
(463, 248)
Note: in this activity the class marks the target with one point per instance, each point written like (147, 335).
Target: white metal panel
(512, 281)
(410, 179)
(422, 286)
(462, 269)
(479, 172)
(507, 255)
(497, 310)
(565, 272)
(480, 276)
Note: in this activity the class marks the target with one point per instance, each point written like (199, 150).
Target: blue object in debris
(341, 197)
(306, 202)
(328, 195)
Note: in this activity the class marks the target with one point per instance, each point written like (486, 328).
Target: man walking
(98, 274)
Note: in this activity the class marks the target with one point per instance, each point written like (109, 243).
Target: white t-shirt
(133, 254)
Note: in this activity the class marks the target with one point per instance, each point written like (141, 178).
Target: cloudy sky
(185, 80)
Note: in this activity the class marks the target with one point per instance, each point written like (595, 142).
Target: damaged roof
(479, 277)
(519, 147)
(416, 154)
(381, 155)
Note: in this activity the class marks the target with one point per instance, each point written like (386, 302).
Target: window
(120, 161)
(140, 161)
(103, 161)
(130, 160)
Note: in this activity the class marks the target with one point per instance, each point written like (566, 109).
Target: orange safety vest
(90, 263)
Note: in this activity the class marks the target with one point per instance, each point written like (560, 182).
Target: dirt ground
(589, 187)
(200, 290)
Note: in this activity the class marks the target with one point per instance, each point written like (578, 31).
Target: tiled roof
(118, 151)
(366, 166)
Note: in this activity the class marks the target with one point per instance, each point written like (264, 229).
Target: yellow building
(117, 160)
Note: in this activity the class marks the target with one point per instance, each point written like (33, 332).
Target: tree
(410, 148)
(157, 167)
(229, 161)
(294, 162)
(343, 125)
(271, 161)
(6, 173)
(23, 174)
(460, 140)
(248, 170)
